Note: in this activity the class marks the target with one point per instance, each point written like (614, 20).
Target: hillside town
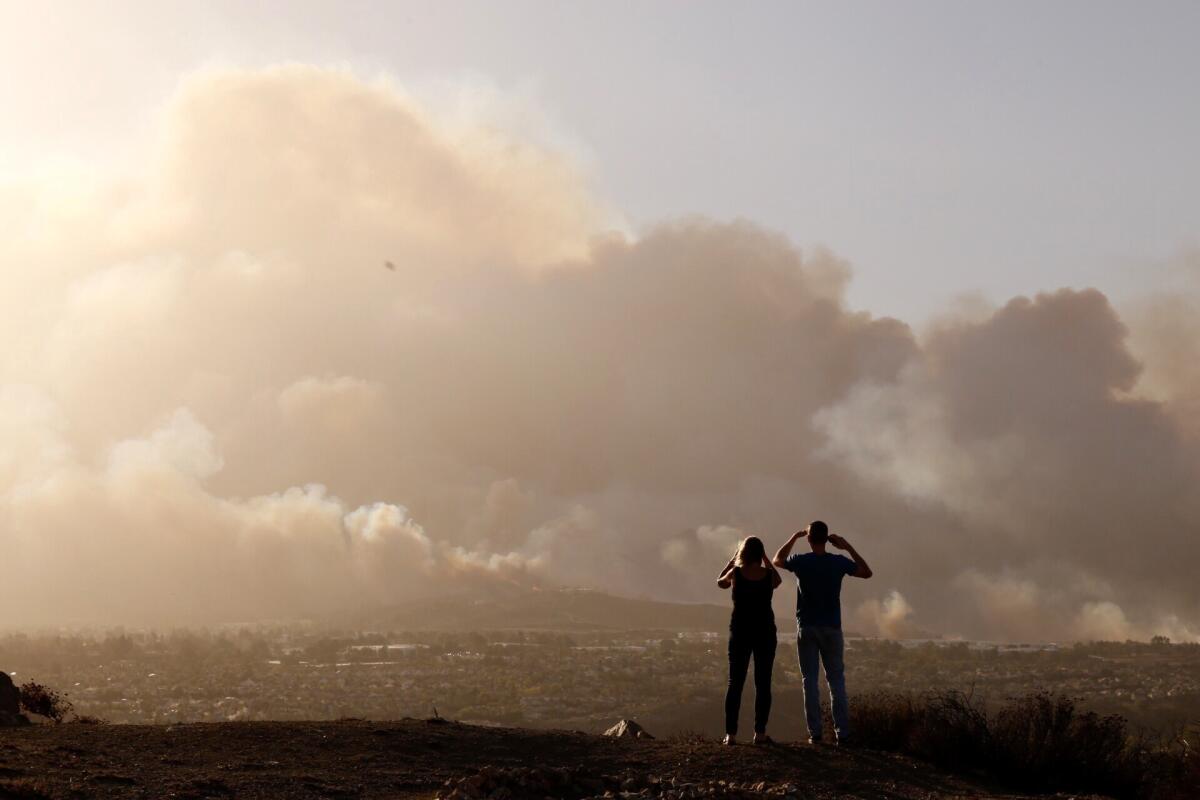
(546, 679)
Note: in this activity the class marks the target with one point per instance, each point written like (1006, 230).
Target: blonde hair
(750, 551)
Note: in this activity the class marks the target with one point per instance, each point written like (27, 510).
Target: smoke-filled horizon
(325, 349)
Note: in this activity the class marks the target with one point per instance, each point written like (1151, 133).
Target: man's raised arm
(861, 568)
(780, 559)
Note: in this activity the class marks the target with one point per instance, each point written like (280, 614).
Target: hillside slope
(506, 607)
(415, 759)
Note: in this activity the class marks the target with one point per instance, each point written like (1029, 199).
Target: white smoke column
(891, 618)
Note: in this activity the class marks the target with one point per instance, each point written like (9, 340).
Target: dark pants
(744, 643)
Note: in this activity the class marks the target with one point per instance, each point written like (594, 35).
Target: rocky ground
(434, 758)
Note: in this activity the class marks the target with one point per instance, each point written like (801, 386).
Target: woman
(751, 632)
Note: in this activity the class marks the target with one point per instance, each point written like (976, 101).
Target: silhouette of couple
(754, 580)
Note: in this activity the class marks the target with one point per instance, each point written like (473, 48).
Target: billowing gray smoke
(217, 401)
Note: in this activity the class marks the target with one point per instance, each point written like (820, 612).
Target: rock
(10, 695)
(628, 729)
(10, 703)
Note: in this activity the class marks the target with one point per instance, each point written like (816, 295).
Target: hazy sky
(942, 148)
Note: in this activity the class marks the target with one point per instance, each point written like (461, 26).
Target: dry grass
(1039, 742)
(21, 789)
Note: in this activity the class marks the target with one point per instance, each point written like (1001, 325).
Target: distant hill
(508, 607)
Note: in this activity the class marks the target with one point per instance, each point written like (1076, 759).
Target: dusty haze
(217, 403)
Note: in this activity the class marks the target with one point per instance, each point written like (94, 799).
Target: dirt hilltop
(430, 758)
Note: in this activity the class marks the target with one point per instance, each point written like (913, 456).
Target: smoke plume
(325, 349)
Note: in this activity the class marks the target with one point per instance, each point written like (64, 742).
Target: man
(819, 616)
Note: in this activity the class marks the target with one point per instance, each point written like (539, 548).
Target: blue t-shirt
(819, 587)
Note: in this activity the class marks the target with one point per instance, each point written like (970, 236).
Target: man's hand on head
(838, 541)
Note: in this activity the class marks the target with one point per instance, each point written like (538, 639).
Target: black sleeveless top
(752, 601)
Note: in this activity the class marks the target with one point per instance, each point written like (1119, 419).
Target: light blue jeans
(824, 646)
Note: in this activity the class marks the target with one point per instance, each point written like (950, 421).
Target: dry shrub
(1190, 771)
(1178, 767)
(884, 720)
(946, 728)
(1038, 742)
(44, 701)
(952, 731)
(1046, 742)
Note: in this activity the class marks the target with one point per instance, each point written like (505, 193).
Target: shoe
(762, 738)
(845, 741)
(729, 739)
(814, 740)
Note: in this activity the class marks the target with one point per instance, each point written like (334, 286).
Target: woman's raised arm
(776, 578)
(725, 579)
